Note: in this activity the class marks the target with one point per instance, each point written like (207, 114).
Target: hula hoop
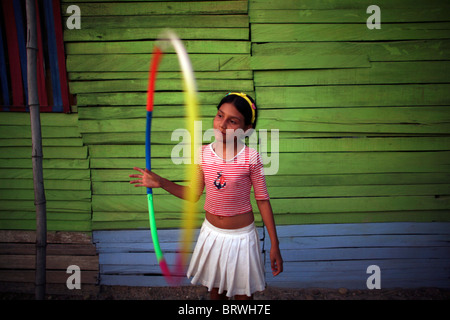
(191, 102)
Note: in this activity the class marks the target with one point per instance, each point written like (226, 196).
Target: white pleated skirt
(228, 259)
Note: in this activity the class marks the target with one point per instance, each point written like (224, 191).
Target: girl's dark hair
(242, 106)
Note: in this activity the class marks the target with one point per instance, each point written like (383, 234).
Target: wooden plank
(52, 225)
(364, 254)
(140, 62)
(393, 15)
(166, 203)
(154, 33)
(378, 73)
(70, 142)
(401, 228)
(281, 192)
(367, 119)
(162, 85)
(347, 32)
(353, 96)
(49, 184)
(48, 174)
(47, 163)
(357, 179)
(51, 195)
(52, 249)
(86, 277)
(168, 21)
(13, 236)
(13, 132)
(139, 98)
(301, 61)
(379, 241)
(117, 112)
(344, 4)
(89, 126)
(47, 120)
(131, 47)
(136, 62)
(363, 144)
(50, 152)
(155, 8)
(165, 166)
(363, 162)
(297, 145)
(364, 217)
(233, 74)
(292, 164)
(139, 280)
(59, 216)
(53, 262)
(359, 191)
(52, 206)
(413, 50)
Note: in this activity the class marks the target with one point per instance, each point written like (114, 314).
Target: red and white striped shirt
(228, 182)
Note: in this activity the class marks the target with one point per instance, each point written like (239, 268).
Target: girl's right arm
(150, 179)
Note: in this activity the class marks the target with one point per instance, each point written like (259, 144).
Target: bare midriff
(232, 222)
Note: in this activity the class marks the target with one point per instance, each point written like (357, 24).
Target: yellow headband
(252, 105)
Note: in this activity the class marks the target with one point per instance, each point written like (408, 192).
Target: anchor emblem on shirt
(220, 181)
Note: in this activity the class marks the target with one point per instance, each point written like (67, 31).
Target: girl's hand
(276, 262)
(146, 179)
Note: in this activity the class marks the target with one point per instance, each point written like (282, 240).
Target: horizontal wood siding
(108, 61)
(66, 173)
(17, 261)
(364, 152)
(359, 104)
(127, 257)
(408, 254)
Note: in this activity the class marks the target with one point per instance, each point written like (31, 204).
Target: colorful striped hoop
(191, 102)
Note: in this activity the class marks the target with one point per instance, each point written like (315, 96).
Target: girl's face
(227, 120)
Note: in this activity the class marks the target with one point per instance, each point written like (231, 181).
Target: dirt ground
(271, 293)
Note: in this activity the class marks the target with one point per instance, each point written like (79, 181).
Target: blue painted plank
(409, 255)
(365, 254)
(3, 74)
(140, 236)
(365, 229)
(53, 56)
(316, 242)
(137, 280)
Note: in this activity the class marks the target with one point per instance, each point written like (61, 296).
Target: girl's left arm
(265, 208)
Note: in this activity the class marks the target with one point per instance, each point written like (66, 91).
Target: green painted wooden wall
(367, 110)
(108, 65)
(363, 114)
(66, 173)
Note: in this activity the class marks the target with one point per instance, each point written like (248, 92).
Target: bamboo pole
(36, 155)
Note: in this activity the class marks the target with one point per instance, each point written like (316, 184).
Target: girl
(226, 258)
